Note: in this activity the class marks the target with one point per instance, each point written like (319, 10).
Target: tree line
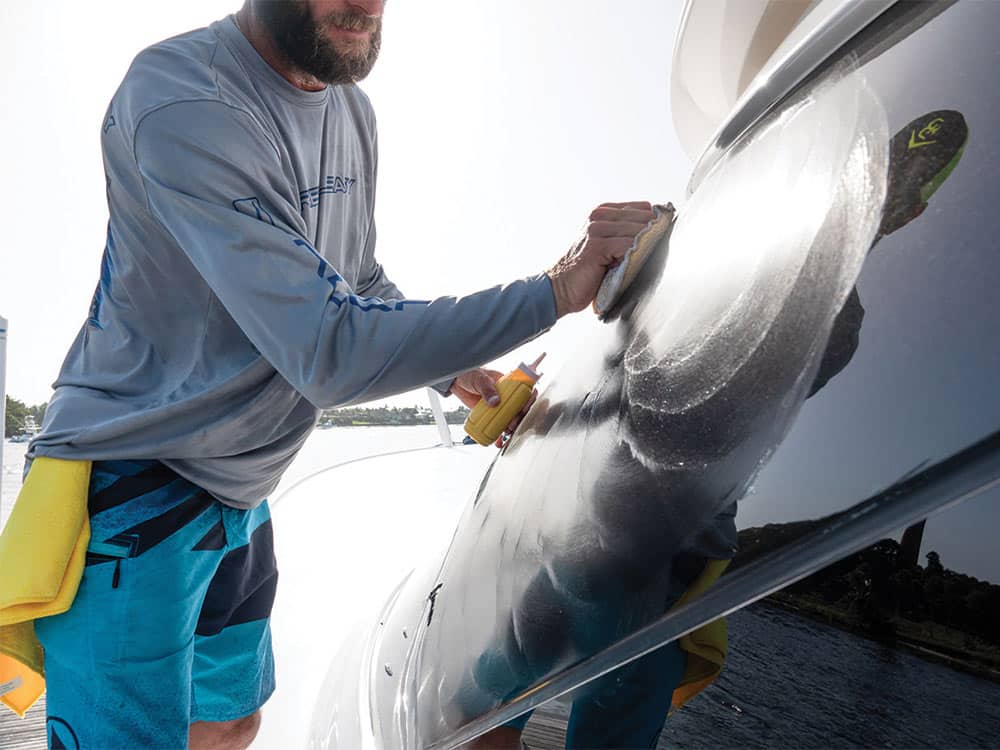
(878, 588)
(17, 414)
(883, 586)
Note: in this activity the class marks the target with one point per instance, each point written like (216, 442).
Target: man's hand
(578, 274)
(480, 383)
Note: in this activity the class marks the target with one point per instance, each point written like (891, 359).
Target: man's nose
(369, 7)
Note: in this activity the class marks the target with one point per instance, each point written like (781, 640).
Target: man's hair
(301, 40)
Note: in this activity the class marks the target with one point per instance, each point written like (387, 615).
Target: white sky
(501, 124)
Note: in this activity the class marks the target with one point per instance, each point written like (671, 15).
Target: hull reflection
(623, 480)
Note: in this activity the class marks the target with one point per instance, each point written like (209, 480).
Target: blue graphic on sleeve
(342, 292)
(251, 207)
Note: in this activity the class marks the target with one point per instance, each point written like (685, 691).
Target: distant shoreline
(925, 648)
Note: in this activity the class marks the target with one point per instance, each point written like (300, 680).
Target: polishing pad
(618, 279)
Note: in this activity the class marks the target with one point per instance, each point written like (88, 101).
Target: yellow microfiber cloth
(705, 647)
(43, 548)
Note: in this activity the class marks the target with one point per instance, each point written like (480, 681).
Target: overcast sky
(501, 124)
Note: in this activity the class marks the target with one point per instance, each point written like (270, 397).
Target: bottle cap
(531, 370)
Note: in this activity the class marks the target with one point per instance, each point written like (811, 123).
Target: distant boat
(29, 430)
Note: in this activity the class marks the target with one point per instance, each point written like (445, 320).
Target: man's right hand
(612, 230)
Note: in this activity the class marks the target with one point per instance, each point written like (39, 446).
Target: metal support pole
(439, 420)
(3, 390)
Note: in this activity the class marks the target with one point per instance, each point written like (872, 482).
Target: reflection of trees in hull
(882, 590)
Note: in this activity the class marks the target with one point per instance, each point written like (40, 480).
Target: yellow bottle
(486, 423)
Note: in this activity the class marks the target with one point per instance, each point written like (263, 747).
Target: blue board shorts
(171, 621)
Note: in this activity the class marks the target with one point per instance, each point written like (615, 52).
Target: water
(792, 682)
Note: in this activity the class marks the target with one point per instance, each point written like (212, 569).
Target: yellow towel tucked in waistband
(705, 647)
(42, 553)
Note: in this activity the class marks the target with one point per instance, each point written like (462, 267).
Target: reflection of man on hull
(922, 155)
(632, 560)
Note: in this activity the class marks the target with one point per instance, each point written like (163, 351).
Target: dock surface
(23, 734)
(545, 731)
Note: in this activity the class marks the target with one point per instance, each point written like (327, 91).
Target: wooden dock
(545, 731)
(23, 734)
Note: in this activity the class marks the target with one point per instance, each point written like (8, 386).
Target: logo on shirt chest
(331, 185)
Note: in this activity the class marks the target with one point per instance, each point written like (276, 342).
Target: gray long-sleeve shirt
(239, 292)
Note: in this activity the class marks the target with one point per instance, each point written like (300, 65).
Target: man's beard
(303, 41)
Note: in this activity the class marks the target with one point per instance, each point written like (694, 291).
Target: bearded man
(239, 295)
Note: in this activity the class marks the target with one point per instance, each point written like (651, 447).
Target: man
(239, 294)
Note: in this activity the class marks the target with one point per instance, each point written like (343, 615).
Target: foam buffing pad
(618, 279)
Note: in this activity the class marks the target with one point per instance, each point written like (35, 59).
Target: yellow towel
(705, 647)
(42, 553)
